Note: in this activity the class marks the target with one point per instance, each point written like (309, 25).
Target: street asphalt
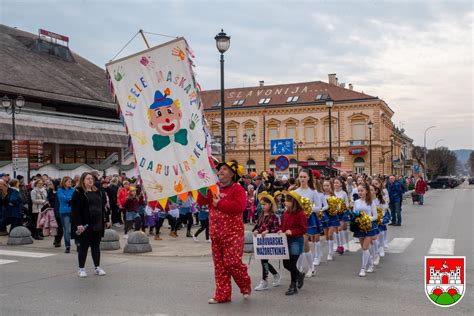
(181, 282)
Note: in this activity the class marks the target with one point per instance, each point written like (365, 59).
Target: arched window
(272, 165)
(293, 169)
(359, 165)
(251, 166)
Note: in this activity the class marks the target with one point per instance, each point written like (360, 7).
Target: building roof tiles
(43, 75)
(307, 92)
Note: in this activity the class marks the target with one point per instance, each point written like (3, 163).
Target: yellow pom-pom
(306, 207)
(320, 215)
(333, 205)
(379, 215)
(342, 206)
(364, 222)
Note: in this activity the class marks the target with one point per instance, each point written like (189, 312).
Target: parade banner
(159, 101)
(272, 246)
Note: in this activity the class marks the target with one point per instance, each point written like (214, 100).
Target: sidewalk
(168, 247)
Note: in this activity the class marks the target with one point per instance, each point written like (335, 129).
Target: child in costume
(294, 225)
(132, 218)
(278, 196)
(267, 223)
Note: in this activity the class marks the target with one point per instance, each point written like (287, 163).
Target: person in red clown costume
(227, 232)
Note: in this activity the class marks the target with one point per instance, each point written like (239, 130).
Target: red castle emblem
(445, 280)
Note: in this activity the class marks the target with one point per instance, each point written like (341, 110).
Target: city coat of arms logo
(445, 280)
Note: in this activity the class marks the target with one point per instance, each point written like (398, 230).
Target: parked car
(443, 182)
(471, 180)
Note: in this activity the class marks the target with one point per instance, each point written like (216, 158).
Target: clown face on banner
(159, 101)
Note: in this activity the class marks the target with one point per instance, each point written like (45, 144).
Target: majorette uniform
(345, 216)
(343, 235)
(314, 224)
(332, 220)
(371, 211)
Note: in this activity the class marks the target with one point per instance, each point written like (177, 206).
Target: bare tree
(441, 162)
(470, 162)
(418, 154)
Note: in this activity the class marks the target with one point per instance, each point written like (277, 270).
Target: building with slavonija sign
(298, 111)
(68, 119)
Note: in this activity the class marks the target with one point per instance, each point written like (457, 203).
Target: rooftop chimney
(351, 87)
(261, 82)
(332, 79)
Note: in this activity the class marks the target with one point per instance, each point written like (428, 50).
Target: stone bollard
(248, 242)
(20, 235)
(138, 242)
(111, 240)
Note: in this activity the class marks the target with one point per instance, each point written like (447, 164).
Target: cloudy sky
(417, 56)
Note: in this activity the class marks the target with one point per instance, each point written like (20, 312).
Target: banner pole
(144, 38)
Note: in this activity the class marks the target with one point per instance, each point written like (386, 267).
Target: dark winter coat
(80, 213)
(14, 205)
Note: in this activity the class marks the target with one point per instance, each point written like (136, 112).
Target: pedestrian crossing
(3, 261)
(21, 254)
(399, 245)
(441, 246)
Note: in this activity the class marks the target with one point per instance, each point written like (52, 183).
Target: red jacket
(226, 219)
(294, 221)
(122, 197)
(131, 205)
(420, 187)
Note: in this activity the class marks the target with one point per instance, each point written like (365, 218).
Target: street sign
(281, 147)
(282, 163)
(416, 168)
(20, 164)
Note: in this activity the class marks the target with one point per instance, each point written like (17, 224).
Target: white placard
(272, 246)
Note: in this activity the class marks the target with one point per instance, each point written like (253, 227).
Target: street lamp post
(13, 107)
(392, 138)
(371, 125)
(329, 105)
(424, 148)
(298, 145)
(222, 44)
(436, 143)
(249, 138)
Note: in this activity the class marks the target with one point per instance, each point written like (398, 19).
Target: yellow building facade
(256, 115)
